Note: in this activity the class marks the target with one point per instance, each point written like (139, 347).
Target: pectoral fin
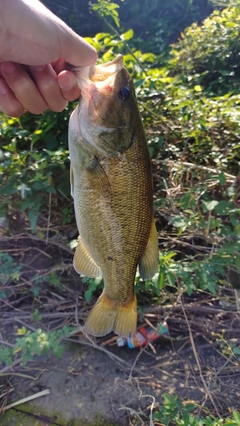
(148, 264)
(83, 261)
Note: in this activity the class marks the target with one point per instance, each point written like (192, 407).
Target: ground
(86, 384)
(95, 381)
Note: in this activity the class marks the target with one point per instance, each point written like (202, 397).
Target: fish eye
(124, 93)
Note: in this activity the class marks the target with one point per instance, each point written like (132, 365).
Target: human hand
(34, 48)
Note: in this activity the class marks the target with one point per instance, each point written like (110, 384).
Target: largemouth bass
(111, 184)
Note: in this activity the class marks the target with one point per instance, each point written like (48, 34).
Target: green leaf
(197, 88)
(88, 295)
(33, 216)
(180, 222)
(127, 35)
(171, 279)
(210, 205)
(222, 178)
(236, 416)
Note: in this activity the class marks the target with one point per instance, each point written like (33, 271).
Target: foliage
(33, 162)
(156, 22)
(186, 124)
(175, 412)
(93, 284)
(183, 124)
(209, 55)
(160, 23)
(201, 272)
(9, 272)
(228, 348)
(105, 8)
(29, 344)
(190, 107)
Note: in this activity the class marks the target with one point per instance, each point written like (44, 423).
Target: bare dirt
(87, 386)
(96, 382)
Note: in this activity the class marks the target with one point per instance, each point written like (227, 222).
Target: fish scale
(111, 184)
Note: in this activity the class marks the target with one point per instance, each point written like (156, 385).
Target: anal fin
(83, 261)
(148, 265)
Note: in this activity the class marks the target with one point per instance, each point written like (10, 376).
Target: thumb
(74, 49)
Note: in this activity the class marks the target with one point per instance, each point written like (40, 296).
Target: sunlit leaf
(127, 35)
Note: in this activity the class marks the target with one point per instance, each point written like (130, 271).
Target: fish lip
(118, 61)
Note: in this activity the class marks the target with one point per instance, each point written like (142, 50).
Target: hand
(34, 48)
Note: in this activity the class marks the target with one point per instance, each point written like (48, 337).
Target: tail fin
(106, 317)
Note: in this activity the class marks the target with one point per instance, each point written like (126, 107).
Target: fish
(112, 189)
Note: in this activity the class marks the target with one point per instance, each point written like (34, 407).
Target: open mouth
(97, 73)
(101, 72)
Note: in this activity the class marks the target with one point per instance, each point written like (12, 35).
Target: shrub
(209, 54)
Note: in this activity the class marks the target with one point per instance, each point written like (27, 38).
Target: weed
(174, 412)
(29, 344)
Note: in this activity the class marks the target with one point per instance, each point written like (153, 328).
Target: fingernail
(8, 67)
(4, 89)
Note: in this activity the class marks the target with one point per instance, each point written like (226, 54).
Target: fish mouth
(101, 72)
(97, 74)
(95, 83)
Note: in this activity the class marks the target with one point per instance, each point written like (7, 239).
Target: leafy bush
(209, 55)
(156, 22)
(9, 273)
(28, 344)
(33, 163)
(183, 125)
(190, 108)
(175, 412)
(160, 23)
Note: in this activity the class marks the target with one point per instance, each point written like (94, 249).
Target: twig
(35, 238)
(133, 412)
(100, 348)
(27, 399)
(6, 393)
(24, 376)
(196, 166)
(135, 362)
(24, 324)
(95, 345)
(237, 298)
(2, 342)
(124, 42)
(49, 216)
(151, 408)
(76, 312)
(9, 367)
(208, 393)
